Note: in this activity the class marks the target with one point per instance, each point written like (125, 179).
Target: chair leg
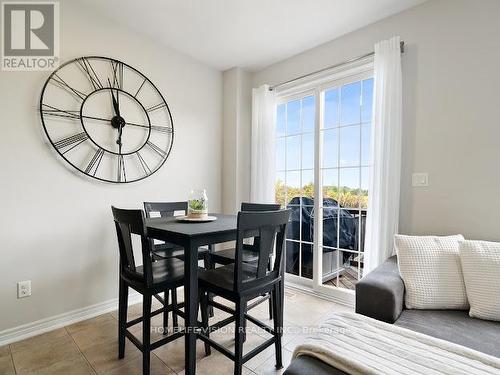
(165, 313)
(210, 265)
(278, 325)
(122, 317)
(239, 336)
(175, 318)
(146, 333)
(204, 319)
(269, 268)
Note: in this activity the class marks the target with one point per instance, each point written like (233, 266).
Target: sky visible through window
(342, 120)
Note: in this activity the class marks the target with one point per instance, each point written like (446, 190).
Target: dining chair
(149, 279)
(240, 282)
(250, 252)
(164, 250)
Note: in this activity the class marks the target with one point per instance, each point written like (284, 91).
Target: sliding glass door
(322, 170)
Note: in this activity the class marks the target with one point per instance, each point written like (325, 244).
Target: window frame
(317, 85)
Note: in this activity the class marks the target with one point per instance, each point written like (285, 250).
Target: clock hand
(116, 104)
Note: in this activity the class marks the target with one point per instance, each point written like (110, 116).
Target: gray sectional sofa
(380, 295)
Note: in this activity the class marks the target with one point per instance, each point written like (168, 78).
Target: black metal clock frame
(85, 134)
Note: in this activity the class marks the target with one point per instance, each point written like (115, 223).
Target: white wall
(56, 227)
(451, 100)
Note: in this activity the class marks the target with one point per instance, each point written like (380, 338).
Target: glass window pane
(367, 100)
(331, 184)
(294, 224)
(349, 187)
(331, 117)
(365, 177)
(293, 117)
(307, 223)
(350, 103)
(293, 152)
(292, 257)
(330, 148)
(280, 154)
(308, 114)
(330, 221)
(331, 266)
(307, 261)
(350, 146)
(293, 190)
(365, 144)
(348, 233)
(308, 184)
(308, 151)
(281, 120)
(280, 191)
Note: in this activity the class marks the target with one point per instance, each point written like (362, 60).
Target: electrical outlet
(24, 289)
(420, 179)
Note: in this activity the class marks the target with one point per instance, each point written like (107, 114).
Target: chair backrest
(165, 209)
(128, 223)
(252, 207)
(269, 227)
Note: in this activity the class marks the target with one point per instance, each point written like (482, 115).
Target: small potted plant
(198, 204)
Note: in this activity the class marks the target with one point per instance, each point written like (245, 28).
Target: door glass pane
(308, 184)
(279, 190)
(331, 183)
(293, 117)
(293, 152)
(350, 146)
(308, 151)
(330, 148)
(349, 182)
(292, 257)
(331, 117)
(365, 144)
(308, 114)
(350, 109)
(307, 261)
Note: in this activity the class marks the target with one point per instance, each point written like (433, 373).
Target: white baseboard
(48, 324)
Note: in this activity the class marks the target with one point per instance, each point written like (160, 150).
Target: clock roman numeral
(155, 107)
(117, 68)
(88, 69)
(56, 112)
(95, 162)
(69, 143)
(162, 129)
(144, 165)
(156, 149)
(140, 87)
(121, 173)
(61, 83)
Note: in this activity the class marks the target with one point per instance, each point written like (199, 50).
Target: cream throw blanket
(360, 345)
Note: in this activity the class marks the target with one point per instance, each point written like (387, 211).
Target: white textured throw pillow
(431, 271)
(481, 268)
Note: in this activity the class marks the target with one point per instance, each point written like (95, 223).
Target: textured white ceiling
(246, 33)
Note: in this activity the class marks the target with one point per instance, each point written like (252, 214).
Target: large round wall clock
(106, 119)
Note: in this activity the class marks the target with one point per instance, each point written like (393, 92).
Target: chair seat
(169, 270)
(168, 250)
(228, 256)
(223, 277)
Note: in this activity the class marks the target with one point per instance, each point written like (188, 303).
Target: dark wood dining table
(191, 236)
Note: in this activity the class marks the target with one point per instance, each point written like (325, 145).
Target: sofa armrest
(380, 294)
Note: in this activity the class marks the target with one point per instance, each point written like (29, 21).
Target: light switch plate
(420, 179)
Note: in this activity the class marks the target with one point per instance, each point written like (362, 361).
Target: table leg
(191, 305)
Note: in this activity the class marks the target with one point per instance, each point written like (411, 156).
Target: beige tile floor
(90, 347)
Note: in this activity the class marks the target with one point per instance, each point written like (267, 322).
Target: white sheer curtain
(383, 205)
(263, 146)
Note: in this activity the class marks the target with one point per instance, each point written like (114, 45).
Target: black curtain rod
(402, 46)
